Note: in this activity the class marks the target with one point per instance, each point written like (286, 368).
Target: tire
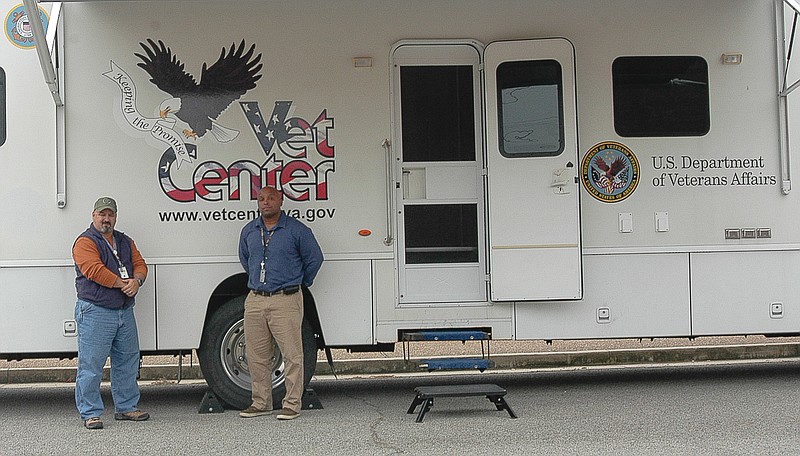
(224, 364)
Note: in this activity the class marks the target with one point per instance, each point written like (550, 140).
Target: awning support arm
(784, 59)
(42, 47)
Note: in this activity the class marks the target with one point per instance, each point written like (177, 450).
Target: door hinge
(488, 277)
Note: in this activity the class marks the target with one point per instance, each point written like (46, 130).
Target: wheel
(224, 364)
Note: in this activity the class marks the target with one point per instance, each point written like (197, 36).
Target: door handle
(389, 239)
(560, 181)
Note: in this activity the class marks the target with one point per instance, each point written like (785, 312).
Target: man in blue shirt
(279, 254)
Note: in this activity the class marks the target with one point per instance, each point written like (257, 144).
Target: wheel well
(312, 316)
(233, 286)
(236, 285)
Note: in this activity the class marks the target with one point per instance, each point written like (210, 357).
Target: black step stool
(426, 394)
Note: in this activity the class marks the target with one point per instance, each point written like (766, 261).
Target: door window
(438, 109)
(531, 117)
(441, 233)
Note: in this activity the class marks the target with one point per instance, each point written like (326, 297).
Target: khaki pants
(278, 317)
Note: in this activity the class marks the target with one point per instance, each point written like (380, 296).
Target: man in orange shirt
(109, 271)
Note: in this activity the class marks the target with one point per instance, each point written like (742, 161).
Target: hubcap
(234, 358)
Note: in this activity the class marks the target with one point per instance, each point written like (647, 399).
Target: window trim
(639, 132)
(560, 95)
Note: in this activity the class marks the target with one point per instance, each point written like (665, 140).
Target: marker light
(731, 59)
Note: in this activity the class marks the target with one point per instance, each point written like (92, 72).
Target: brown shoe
(93, 423)
(135, 415)
(251, 412)
(287, 414)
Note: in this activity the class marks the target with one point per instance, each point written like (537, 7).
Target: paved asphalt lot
(706, 408)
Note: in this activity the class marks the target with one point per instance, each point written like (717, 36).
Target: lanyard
(123, 271)
(265, 243)
(114, 251)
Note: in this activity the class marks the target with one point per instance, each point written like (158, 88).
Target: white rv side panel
(33, 297)
(31, 227)
(745, 292)
(384, 291)
(145, 311)
(183, 292)
(184, 289)
(42, 299)
(346, 289)
(626, 296)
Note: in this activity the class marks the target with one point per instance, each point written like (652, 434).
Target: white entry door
(532, 152)
(439, 191)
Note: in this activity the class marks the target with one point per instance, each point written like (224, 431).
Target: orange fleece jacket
(87, 257)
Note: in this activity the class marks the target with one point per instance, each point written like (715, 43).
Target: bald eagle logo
(610, 178)
(610, 171)
(199, 104)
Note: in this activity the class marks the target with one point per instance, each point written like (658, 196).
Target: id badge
(262, 276)
(123, 272)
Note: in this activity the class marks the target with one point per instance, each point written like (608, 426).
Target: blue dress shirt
(291, 257)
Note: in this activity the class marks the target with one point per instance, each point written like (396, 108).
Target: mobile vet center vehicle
(533, 169)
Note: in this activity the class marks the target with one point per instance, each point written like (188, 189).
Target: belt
(285, 291)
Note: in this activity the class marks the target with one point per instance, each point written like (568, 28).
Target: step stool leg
(426, 405)
(501, 404)
(417, 400)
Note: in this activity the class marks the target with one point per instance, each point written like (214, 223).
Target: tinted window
(531, 114)
(661, 96)
(441, 233)
(438, 113)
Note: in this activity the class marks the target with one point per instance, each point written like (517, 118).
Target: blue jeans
(102, 333)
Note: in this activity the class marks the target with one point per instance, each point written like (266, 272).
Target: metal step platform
(434, 335)
(454, 363)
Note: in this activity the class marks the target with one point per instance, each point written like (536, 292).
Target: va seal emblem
(610, 172)
(18, 27)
